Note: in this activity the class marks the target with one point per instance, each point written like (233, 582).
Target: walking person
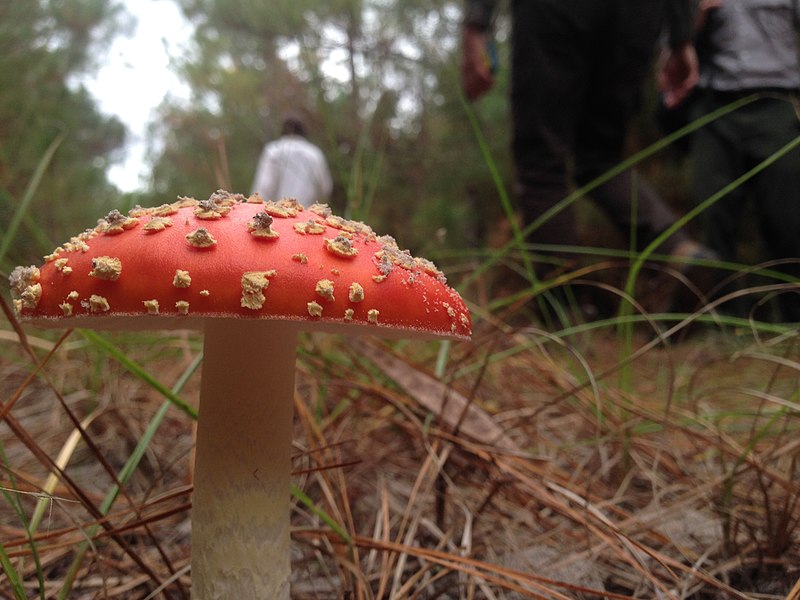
(577, 72)
(293, 167)
(748, 47)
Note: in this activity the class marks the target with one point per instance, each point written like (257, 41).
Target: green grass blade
(518, 236)
(11, 574)
(30, 191)
(106, 346)
(50, 483)
(127, 471)
(581, 192)
(13, 500)
(141, 447)
(700, 208)
(326, 518)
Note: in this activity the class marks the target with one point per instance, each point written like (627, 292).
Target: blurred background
(109, 103)
(654, 455)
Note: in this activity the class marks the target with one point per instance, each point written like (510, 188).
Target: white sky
(135, 77)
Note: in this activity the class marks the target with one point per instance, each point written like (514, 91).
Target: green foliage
(378, 83)
(44, 46)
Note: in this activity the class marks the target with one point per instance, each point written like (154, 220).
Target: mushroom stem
(241, 502)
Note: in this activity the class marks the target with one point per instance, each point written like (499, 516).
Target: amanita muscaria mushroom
(250, 274)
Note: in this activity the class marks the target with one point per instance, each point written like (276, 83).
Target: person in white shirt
(293, 167)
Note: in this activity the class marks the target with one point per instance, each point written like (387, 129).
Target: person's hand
(678, 74)
(476, 71)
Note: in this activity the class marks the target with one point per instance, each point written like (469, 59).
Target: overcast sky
(135, 78)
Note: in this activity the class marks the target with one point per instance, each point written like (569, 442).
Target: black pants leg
(578, 67)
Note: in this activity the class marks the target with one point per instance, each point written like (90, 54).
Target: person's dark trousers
(578, 67)
(727, 148)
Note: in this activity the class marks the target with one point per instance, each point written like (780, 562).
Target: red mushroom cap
(231, 256)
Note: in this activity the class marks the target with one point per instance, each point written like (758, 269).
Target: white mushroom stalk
(250, 274)
(240, 508)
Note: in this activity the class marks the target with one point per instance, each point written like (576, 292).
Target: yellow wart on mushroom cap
(323, 210)
(22, 278)
(325, 289)
(61, 266)
(115, 222)
(341, 245)
(311, 227)
(29, 298)
(288, 207)
(137, 211)
(261, 226)
(151, 306)
(356, 292)
(164, 210)
(54, 254)
(78, 242)
(253, 285)
(314, 309)
(97, 304)
(338, 222)
(158, 224)
(182, 279)
(211, 209)
(200, 238)
(108, 268)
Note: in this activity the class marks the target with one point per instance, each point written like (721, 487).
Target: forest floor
(522, 464)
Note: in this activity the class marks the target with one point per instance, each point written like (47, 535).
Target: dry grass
(530, 466)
